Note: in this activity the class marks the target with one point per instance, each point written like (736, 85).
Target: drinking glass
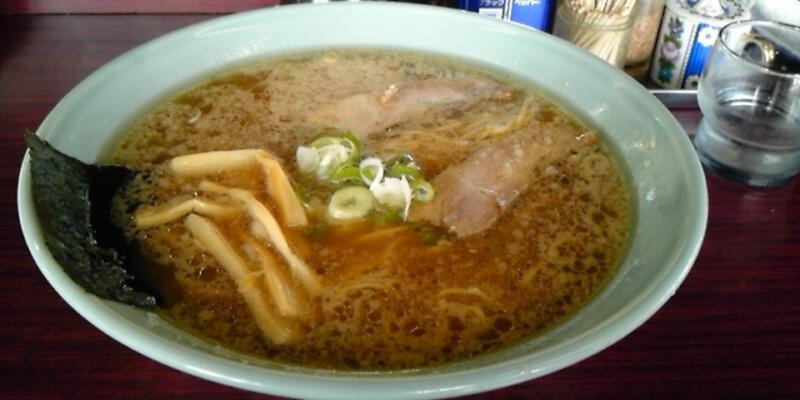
(749, 94)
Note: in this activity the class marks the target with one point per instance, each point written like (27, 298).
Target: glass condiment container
(602, 34)
(646, 20)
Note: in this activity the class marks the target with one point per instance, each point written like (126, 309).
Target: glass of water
(750, 97)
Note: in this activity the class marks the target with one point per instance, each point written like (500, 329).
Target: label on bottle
(533, 13)
(489, 8)
(491, 12)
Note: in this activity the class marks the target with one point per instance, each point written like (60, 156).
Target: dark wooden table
(731, 331)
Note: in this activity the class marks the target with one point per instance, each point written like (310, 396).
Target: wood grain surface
(731, 331)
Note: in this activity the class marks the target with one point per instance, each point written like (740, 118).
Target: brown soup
(394, 294)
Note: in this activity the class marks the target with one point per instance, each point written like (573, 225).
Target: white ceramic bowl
(668, 183)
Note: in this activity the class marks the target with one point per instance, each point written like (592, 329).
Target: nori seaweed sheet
(72, 200)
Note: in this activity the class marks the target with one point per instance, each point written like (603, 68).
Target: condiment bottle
(688, 32)
(646, 20)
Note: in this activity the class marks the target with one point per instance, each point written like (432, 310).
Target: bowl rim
(447, 384)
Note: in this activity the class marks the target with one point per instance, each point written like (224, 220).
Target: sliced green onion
(349, 203)
(390, 217)
(333, 153)
(371, 170)
(421, 190)
(330, 158)
(429, 234)
(410, 171)
(317, 229)
(307, 159)
(337, 158)
(403, 158)
(356, 144)
(346, 172)
(406, 197)
(325, 141)
(394, 193)
(301, 193)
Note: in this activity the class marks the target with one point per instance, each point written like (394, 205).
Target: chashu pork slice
(471, 195)
(367, 113)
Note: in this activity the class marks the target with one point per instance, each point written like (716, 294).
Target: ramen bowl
(668, 187)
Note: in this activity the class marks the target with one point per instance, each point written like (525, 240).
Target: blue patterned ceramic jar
(689, 29)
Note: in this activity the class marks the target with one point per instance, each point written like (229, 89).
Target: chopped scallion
(421, 190)
(429, 234)
(355, 156)
(349, 203)
(307, 159)
(346, 172)
(371, 170)
(410, 171)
